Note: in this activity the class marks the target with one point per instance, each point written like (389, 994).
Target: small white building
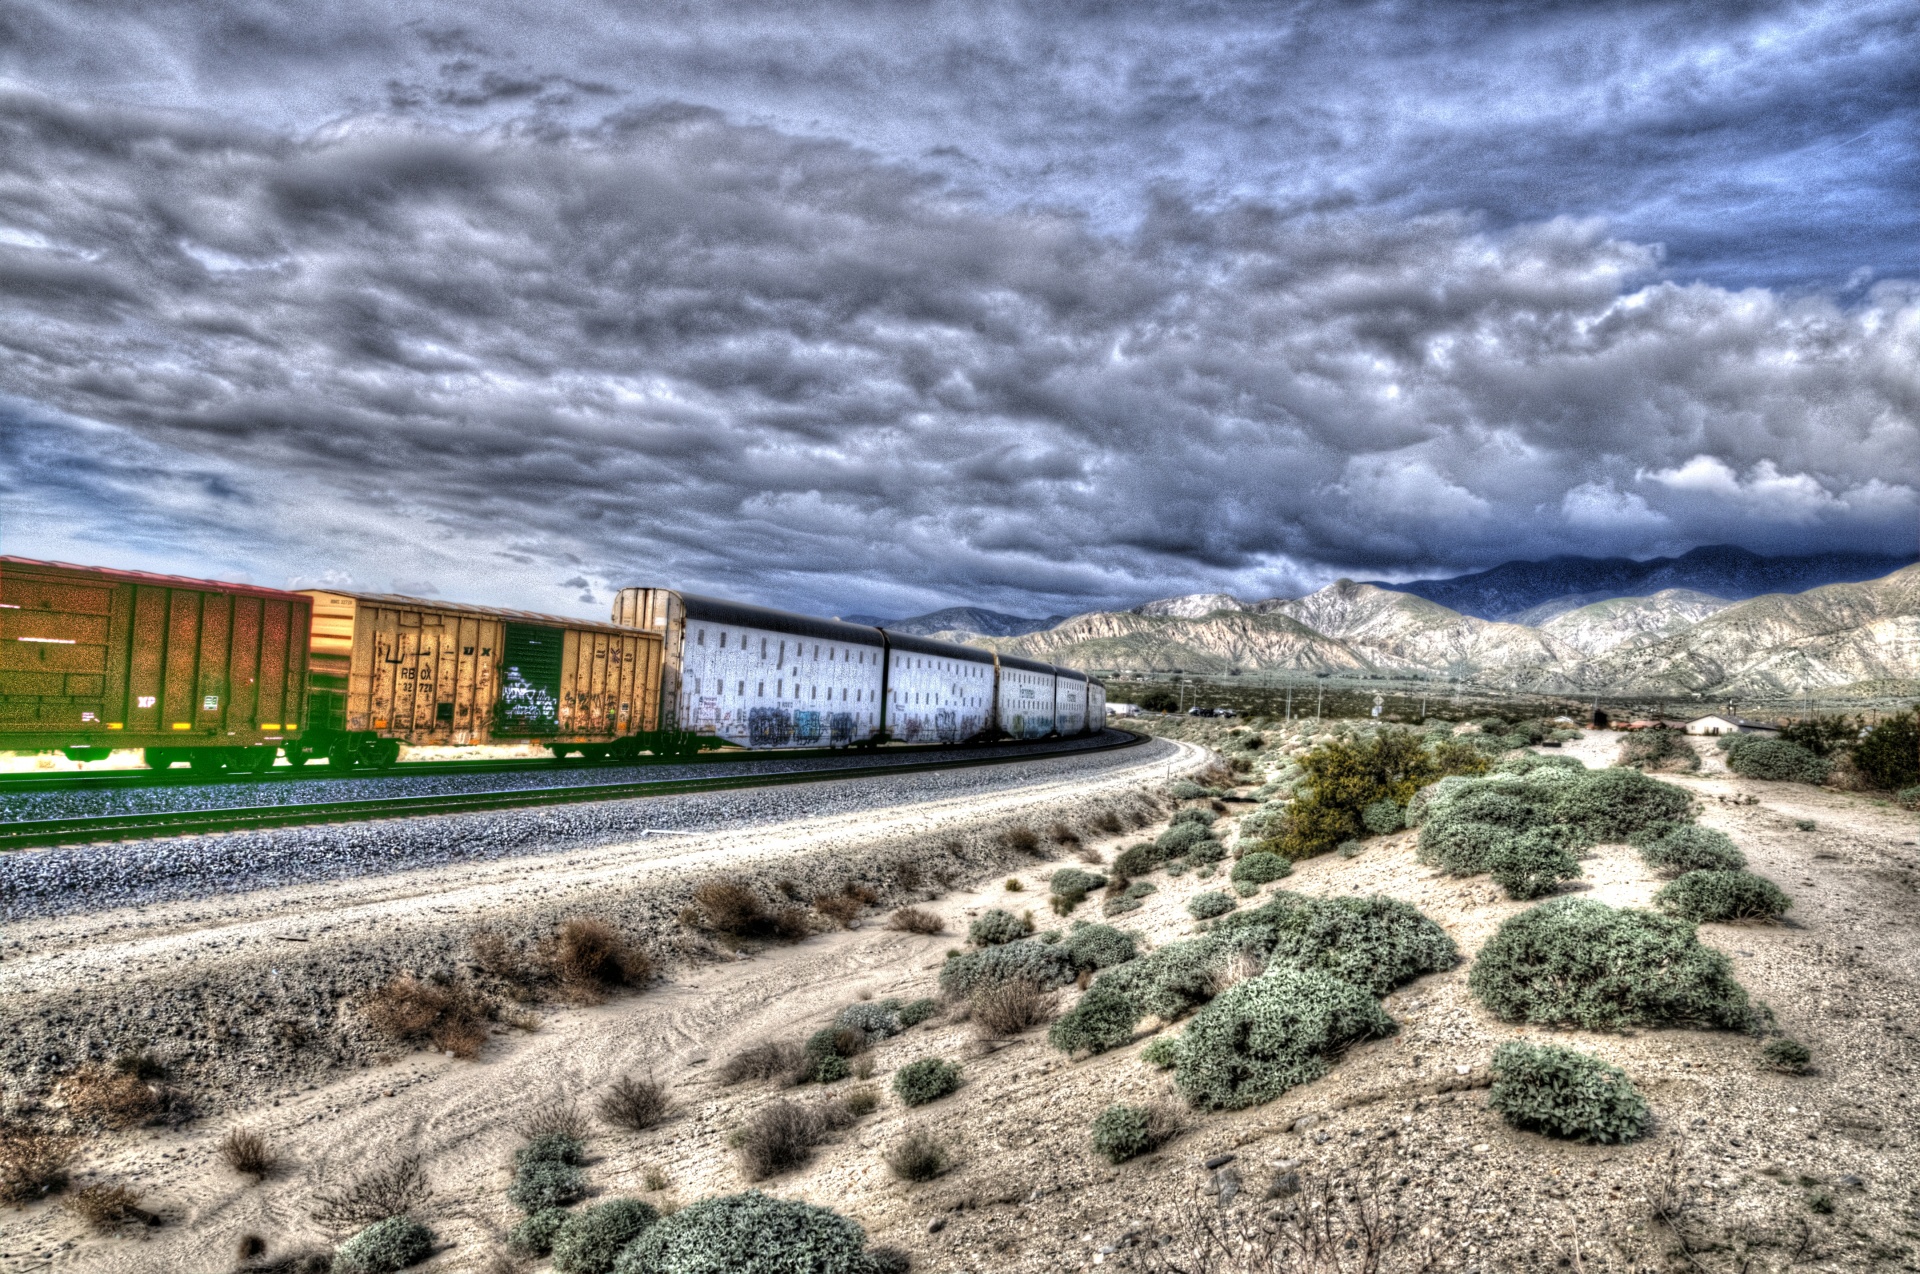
(1730, 725)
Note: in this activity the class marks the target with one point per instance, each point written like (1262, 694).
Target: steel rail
(43, 833)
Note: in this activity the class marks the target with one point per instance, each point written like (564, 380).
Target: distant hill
(960, 619)
(1513, 589)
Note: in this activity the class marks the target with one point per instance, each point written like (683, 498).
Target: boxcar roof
(1025, 664)
(148, 577)
(399, 600)
(718, 610)
(942, 649)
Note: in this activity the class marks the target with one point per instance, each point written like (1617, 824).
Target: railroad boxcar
(202, 671)
(1023, 708)
(1069, 701)
(760, 677)
(937, 691)
(388, 670)
(1096, 706)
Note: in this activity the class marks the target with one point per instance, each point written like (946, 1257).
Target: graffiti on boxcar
(946, 726)
(807, 727)
(769, 727)
(840, 729)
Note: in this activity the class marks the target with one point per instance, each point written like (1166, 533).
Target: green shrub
(1531, 864)
(750, 1234)
(875, 1019)
(828, 1051)
(1128, 899)
(1756, 758)
(1658, 750)
(1199, 815)
(552, 1147)
(592, 1240)
(1103, 1019)
(1180, 840)
(1721, 896)
(1260, 868)
(1383, 817)
(1528, 762)
(1094, 947)
(914, 1012)
(1047, 967)
(1070, 887)
(1582, 963)
(384, 1246)
(1206, 851)
(534, 1236)
(928, 1079)
(1889, 757)
(1563, 1093)
(1789, 1055)
(1136, 860)
(1674, 851)
(1170, 981)
(1188, 790)
(1121, 1133)
(1375, 943)
(1162, 1053)
(1265, 1035)
(1208, 905)
(997, 927)
(1608, 806)
(539, 1184)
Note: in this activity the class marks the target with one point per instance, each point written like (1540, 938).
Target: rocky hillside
(1862, 637)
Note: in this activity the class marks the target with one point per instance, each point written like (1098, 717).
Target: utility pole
(1289, 700)
(1319, 699)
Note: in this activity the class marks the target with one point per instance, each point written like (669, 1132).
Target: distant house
(1730, 725)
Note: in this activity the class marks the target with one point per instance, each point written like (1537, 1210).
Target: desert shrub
(1889, 756)
(1037, 962)
(916, 920)
(997, 927)
(1103, 1019)
(1198, 815)
(1658, 750)
(1582, 963)
(1107, 822)
(111, 1096)
(928, 1079)
(635, 1104)
(1375, 943)
(552, 1147)
(1072, 882)
(1265, 1035)
(918, 1156)
(842, 908)
(1528, 762)
(1136, 860)
(1344, 778)
(1206, 851)
(1181, 839)
(1531, 864)
(1789, 1055)
(394, 1188)
(1162, 1053)
(875, 1019)
(1096, 947)
(1562, 1093)
(860, 1102)
(732, 908)
(1169, 981)
(1607, 806)
(534, 1236)
(1128, 899)
(552, 1115)
(592, 1240)
(1188, 790)
(1261, 868)
(108, 1208)
(589, 958)
(778, 1137)
(450, 1016)
(1776, 759)
(545, 1183)
(1000, 1009)
(1688, 847)
(384, 1246)
(777, 1059)
(248, 1153)
(828, 1051)
(1121, 1133)
(1721, 896)
(1383, 817)
(1208, 905)
(914, 1012)
(750, 1234)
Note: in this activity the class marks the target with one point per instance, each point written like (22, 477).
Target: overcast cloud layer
(1040, 309)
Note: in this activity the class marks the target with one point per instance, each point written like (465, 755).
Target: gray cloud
(663, 345)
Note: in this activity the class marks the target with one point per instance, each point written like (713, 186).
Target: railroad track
(41, 833)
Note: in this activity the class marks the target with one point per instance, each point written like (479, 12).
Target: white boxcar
(937, 691)
(1024, 705)
(1070, 701)
(1096, 706)
(760, 677)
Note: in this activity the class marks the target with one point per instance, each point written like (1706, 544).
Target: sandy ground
(1755, 1153)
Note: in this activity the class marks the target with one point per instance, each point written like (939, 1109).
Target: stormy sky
(857, 307)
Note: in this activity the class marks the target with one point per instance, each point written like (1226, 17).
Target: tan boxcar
(93, 659)
(390, 669)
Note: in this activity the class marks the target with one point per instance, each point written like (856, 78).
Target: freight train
(230, 677)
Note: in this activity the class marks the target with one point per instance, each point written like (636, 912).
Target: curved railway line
(40, 833)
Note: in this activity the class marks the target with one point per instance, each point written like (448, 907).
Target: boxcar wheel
(385, 753)
(207, 760)
(157, 758)
(341, 756)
